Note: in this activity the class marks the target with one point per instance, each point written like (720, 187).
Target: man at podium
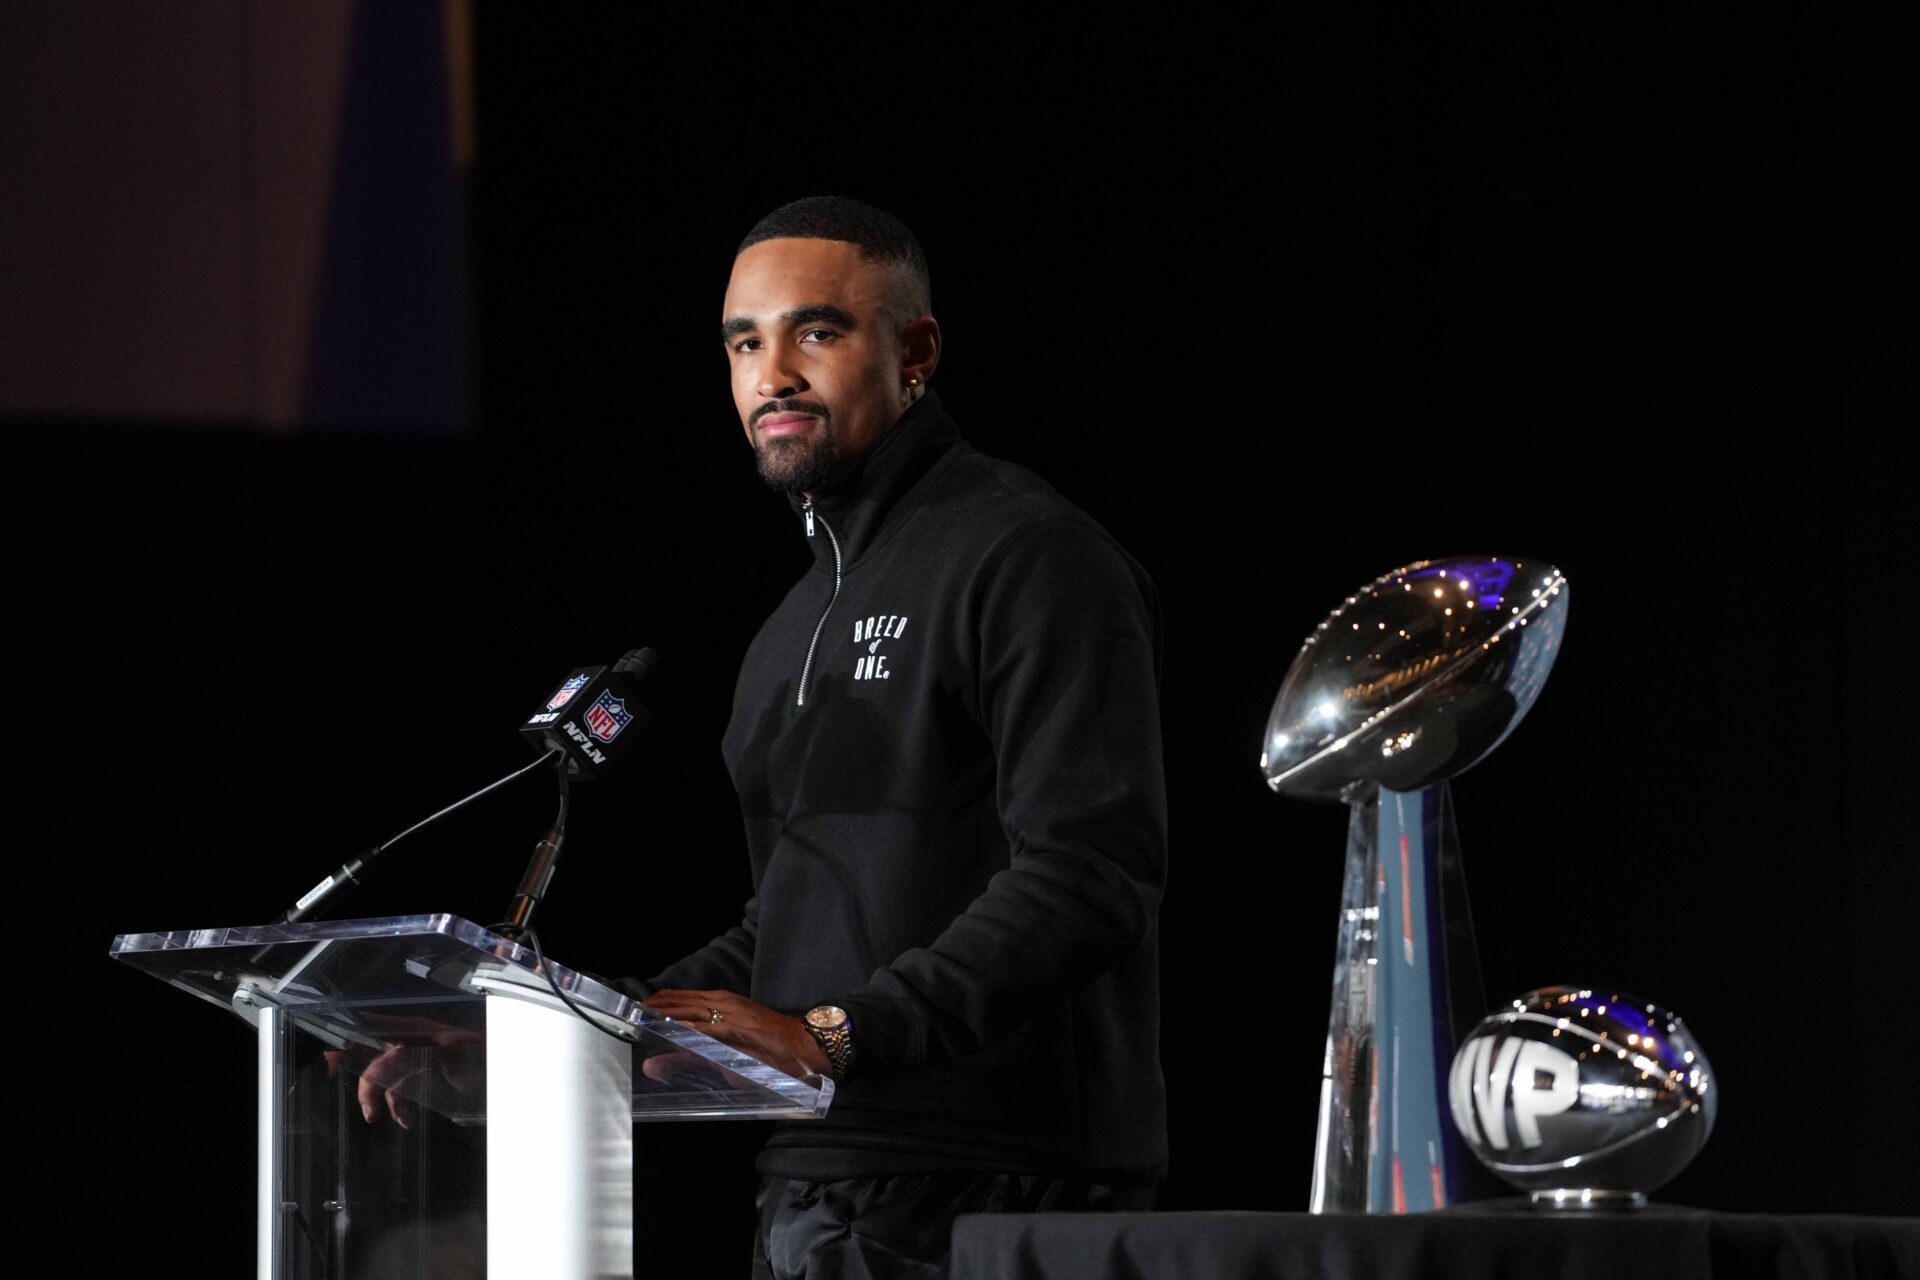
(946, 742)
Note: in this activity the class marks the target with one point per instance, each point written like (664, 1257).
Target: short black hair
(878, 235)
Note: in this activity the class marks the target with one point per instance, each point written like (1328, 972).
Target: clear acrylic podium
(501, 1138)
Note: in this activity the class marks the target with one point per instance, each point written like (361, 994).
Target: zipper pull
(807, 506)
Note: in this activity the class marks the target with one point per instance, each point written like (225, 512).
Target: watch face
(827, 1017)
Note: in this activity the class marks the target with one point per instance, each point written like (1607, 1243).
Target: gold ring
(713, 1017)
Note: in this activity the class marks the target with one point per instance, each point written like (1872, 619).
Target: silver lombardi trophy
(1414, 678)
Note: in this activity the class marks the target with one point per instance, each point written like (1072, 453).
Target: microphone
(590, 719)
(612, 715)
(593, 716)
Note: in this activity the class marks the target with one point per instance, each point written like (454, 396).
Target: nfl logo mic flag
(607, 716)
(587, 717)
(564, 694)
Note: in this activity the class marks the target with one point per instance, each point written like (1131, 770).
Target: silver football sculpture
(1415, 678)
(1584, 1097)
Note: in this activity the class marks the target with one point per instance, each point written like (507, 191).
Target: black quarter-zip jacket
(946, 742)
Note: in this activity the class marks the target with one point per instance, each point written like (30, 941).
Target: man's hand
(777, 1039)
(421, 1053)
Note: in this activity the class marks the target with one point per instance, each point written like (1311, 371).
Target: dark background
(1282, 307)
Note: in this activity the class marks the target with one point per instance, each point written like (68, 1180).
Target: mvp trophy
(1416, 677)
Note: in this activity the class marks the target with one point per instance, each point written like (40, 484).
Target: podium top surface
(363, 986)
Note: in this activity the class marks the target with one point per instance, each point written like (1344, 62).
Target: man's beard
(791, 465)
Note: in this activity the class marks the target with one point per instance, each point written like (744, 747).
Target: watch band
(830, 1025)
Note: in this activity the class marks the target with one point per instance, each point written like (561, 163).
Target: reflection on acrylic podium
(501, 1132)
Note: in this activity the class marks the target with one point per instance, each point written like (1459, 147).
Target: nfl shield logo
(566, 692)
(607, 716)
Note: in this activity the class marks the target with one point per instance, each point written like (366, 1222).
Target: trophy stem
(1406, 988)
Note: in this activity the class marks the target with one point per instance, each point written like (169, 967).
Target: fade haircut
(878, 235)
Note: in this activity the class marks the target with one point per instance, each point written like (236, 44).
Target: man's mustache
(813, 407)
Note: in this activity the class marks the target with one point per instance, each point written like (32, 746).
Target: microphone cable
(349, 873)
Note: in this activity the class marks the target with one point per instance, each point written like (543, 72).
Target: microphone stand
(546, 856)
(635, 664)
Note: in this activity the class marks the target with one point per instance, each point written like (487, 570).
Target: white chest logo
(868, 635)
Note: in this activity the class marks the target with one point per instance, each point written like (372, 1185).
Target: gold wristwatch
(834, 1030)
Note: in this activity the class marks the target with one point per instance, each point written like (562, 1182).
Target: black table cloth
(1500, 1240)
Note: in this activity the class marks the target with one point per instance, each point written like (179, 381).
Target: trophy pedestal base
(1588, 1200)
(1406, 979)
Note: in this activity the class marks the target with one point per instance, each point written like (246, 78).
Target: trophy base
(1588, 1200)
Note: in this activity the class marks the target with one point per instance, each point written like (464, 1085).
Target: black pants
(881, 1228)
